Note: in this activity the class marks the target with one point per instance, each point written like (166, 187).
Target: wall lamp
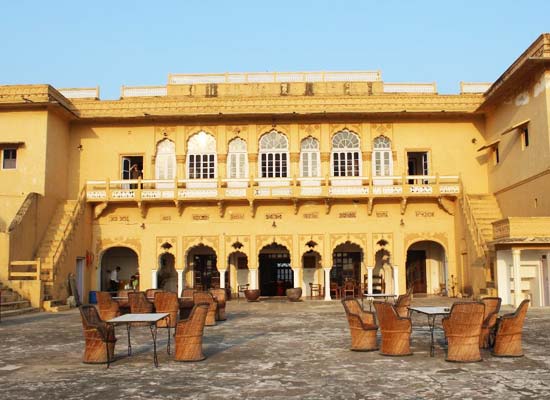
(142, 226)
(274, 224)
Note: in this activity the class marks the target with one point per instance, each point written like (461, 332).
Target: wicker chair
(139, 305)
(189, 335)
(187, 303)
(167, 302)
(402, 304)
(395, 330)
(205, 297)
(150, 293)
(221, 298)
(362, 326)
(508, 333)
(462, 329)
(492, 307)
(99, 337)
(107, 307)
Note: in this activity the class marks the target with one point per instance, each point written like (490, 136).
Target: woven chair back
(513, 323)
(352, 306)
(167, 302)
(388, 318)
(108, 308)
(465, 319)
(187, 292)
(139, 303)
(203, 297)
(150, 293)
(220, 296)
(492, 304)
(194, 325)
(90, 317)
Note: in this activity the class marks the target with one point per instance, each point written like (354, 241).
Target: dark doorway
(206, 275)
(417, 164)
(416, 270)
(276, 275)
(346, 266)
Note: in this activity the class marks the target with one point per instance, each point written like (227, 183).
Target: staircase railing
(61, 248)
(478, 239)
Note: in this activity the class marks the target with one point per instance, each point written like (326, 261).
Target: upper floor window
(237, 159)
(382, 161)
(165, 162)
(9, 158)
(273, 155)
(201, 156)
(345, 155)
(310, 158)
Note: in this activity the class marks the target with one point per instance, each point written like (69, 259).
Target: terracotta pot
(294, 294)
(252, 294)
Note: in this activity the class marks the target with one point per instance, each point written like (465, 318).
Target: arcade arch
(123, 257)
(426, 267)
(202, 261)
(276, 275)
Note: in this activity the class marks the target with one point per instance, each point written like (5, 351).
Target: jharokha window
(310, 158)
(346, 155)
(237, 159)
(201, 156)
(273, 155)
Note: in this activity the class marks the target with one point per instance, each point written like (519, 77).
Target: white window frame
(165, 163)
(237, 159)
(4, 150)
(382, 157)
(201, 152)
(274, 155)
(345, 156)
(310, 158)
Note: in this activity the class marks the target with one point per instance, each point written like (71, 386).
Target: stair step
(13, 305)
(18, 311)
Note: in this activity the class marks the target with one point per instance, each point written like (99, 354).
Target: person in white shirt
(114, 279)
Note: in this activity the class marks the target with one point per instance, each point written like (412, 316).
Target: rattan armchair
(395, 330)
(186, 302)
(107, 307)
(221, 297)
(403, 303)
(462, 329)
(492, 307)
(167, 302)
(362, 326)
(150, 293)
(509, 332)
(99, 337)
(189, 334)
(205, 297)
(139, 303)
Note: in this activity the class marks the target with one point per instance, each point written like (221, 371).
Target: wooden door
(416, 270)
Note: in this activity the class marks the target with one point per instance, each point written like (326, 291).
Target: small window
(496, 155)
(9, 157)
(525, 137)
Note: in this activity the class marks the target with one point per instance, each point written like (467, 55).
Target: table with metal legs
(431, 313)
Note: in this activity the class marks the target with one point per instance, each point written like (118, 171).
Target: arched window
(382, 162)
(165, 162)
(310, 158)
(345, 155)
(201, 156)
(237, 159)
(273, 155)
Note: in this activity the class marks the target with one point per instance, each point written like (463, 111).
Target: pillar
(327, 283)
(395, 280)
(503, 277)
(253, 276)
(297, 283)
(369, 279)
(154, 279)
(222, 278)
(180, 280)
(516, 258)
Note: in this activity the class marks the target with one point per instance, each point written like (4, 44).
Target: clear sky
(118, 42)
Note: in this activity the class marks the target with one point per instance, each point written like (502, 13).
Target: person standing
(134, 174)
(114, 279)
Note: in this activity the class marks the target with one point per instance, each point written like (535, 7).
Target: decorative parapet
(142, 91)
(80, 93)
(429, 88)
(474, 87)
(266, 77)
(521, 227)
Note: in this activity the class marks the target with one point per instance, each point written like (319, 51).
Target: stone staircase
(485, 210)
(11, 303)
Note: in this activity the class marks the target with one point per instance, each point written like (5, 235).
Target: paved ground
(272, 350)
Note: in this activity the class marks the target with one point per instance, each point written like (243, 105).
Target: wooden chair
(462, 329)
(334, 288)
(402, 304)
(99, 337)
(348, 290)
(107, 307)
(189, 334)
(221, 298)
(205, 297)
(508, 333)
(362, 326)
(167, 302)
(315, 289)
(395, 330)
(241, 289)
(492, 307)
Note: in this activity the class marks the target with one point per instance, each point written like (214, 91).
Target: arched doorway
(202, 261)
(311, 264)
(426, 267)
(346, 264)
(122, 257)
(276, 275)
(167, 276)
(383, 270)
(239, 261)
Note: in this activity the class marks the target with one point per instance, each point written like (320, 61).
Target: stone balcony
(353, 188)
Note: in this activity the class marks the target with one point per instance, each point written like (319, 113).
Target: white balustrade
(143, 91)
(80, 93)
(429, 88)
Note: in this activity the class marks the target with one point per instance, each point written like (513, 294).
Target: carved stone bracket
(221, 208)
(446, 204)
(99, 208)
(403, 205)
(143, 208)
(296, 205)
(370, 205)
(252, 208)
(179, 205)
(327, 206)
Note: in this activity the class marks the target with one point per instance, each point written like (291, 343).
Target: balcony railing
(150, 190)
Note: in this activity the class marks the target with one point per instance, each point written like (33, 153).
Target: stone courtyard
(272, 350)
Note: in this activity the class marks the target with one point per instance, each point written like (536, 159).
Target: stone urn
(294, 294)
(252, 294)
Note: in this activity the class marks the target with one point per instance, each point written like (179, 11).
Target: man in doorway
(114, 279)
(134, 174)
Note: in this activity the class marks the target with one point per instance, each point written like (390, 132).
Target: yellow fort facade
(279, 180)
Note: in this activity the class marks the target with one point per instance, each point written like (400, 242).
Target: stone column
(395, 280)
(154, 279)
(516, 258)
(253, 278)
(369, 278)
(222, 278)
(180, 280)
(503, 277)
(327, 283)
(297, 283)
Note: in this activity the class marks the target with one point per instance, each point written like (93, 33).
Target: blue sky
(115, 43)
